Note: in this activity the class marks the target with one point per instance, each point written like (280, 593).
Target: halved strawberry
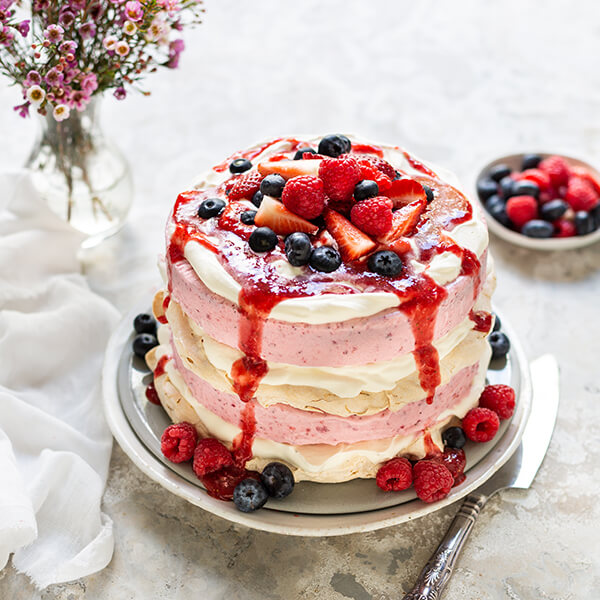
(230, 219)
(400, 246)
(275, 215)
(290, 168)
(245, 186)
(404, 191)
(404, 221)
(352, 242)
(592, 178)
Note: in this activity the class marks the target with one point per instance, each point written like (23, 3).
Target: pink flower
(61, 112)
(122, 48)
(54, 77)
(66, 18)
(120, 93)
(78, 100)
(6, 36)
(23, 109)
(87, 30)
(171, 6)
(134, 11)
(33, 78)
(89, 83)
(54, 33)
(109, 42)
(68, 47)
(176, 47)
(23, 28)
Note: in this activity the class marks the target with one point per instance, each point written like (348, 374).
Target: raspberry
(537, 176)
(178, 442)
(369, 171)
(499, 398)
(480, 424)
(339, 176)
(211, 456)
(381, 165)
(521, 209)
(373, 216)
(432, 480)
(305, 196)
(581, 195)
(557, 169)
(395, 475)
(245, 186)
(455, 461)
(564, 228)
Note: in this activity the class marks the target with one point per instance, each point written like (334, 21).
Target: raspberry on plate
(245, 186)
(455, 461)
(521, 209)
(557, 169)
(432, 480)
(178, 442)
(395, 475)
(373, 216)
(564, 228)
(499, 398)
(304, 196)
(481, 424)
(339, 176)
(581, 195)
(210, 456)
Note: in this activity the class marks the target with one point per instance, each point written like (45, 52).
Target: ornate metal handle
(437, 571)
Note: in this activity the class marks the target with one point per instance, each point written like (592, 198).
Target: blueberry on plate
(249, 495)
(506, 187)
(272, 185)
(300, 153)
(325, 259)
(454, 437)
(536, 228)
(526, 188)
(278, 480)
(263, 239)
(257, 198)
(497, 323)
(500, 344)
(486, 187)
(385, 262)
(584, 222)
(210, 207)
(142, 343)
(240, 165)
(247, 217)
(334, 145)
(144, 323)
(367, 188)
(298, 248)
(428, 193)
(553, 210)
(530, 161)
(498, 172)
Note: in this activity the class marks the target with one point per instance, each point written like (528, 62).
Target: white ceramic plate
(312, 509)
(577, 241)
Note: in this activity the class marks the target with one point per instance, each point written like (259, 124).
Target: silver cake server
(518, 472)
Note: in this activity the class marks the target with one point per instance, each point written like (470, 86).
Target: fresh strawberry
(373, 216)
(369, 171)
(290, 168)
(580, 194)
(275, 215)
(323, 239)
(245, 186)
(340, 176)
(229, 219)
(352, 242)
(557, 168)
(404, 221)
(521, 209)
(304, 195)
(564, 228)
(404, 191)
(541, 178)
(400, 246)
(381, 165)
(591, 177)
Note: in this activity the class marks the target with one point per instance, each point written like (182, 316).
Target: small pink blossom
(23, 28)
(68, 47)
(23, 109)
(176, 47)
(109, 42)
(6, 36)
(120, 93)
(78, 100)
(122, 48)
(54, 33)
(66, 18)
(33, 78)
(54, 77)
(134, 11)
(89, 83)
(61, 112)
(36, 95)
(87, 30)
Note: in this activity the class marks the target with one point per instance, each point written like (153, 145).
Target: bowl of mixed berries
(541, 201)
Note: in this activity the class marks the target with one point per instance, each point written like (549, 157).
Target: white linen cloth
(54, 443)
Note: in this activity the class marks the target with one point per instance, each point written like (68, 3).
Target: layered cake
(326, 306)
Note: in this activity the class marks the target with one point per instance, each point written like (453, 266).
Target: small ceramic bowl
(514, 162)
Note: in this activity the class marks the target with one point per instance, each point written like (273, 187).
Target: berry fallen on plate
(537, 228)
(257, 198)
(302, 151)
(339, 176)
(145, 323)
(500, 344)
(272, 185)
(211, 207)
(498, 172)
(351, 241)
(486, 187)
(530, 161)
(454, 437)
(506, 187)
(455, 461)
(367, 188)
(298, 249)
(385, 262)
(557, 168)
(553, 210)
(210, 455)
(325, 259)
(247, 217)
(395, 475)
(278, 480)
(334, 145)
(373, 216)
(581, 195)
(240, 165)
(249, 495)
(526, 188)
(178, 442)
(584, 222)
(263, 239)
(245, 186)
(304, 196)
(432, 480)
(521, 209)
(564, 228)
(481, 424)
(143, 343)
(500, 398)
(537, 176)
(152, 395)
(276, 216)
(497, 323)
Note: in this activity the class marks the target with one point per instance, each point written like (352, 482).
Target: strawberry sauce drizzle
(160, 367)
(481, 319)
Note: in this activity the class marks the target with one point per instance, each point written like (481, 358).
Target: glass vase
(82, 176)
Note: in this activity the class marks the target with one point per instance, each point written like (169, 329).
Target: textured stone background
(459, 83)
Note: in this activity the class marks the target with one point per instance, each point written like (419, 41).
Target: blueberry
(499, 172)
(299, 153)
(367, 188)
(334, 145)
(584, 222)
(278, 480)
(298, 249)
(530, 161)
(486, 187)
(257, 198)
(500, 344)
(240, 165)
(144, 323)
(325, 259)
(428, 193)
(210, 207)
(553, 210)
(263, 239)
(142, 343)
(526, 188)
(507, 185)
(493, 201)
(498, 212)
(536, 228)
(454, 437)
(249, 495)
(247, 217)
(497, 323)
(385, 262)
(272, 185)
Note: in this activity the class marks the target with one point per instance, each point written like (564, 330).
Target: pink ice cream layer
(289, 425)
(380, 337)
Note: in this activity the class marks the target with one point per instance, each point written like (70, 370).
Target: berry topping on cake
(249, 495)
(395, 475)
(367, 188)
(373, 216)
(557, 169)
(273, 214)
(144, 323)
(278, 480)
(211, 207)
(339, 177)
(454, 460)
(247, 217)
(334, 145)
(521, 209)
(481, 424)
(351, 241)
(298, 249)
(272, 185)
(454, 437)
(500, 344)
(404, 221)
(405, 191)
(383, 166)
(581, 195)
(325, 259)
(289, 168)
(369, 170)
(432, 480)
(536, 228)
(257, 198)
(302, 151)
(428, 193)
(143, 343)
(245, 186)
(263, 239)
(210, 456)
(499, 398)
(304, 196)
(178, 442)
(386, 263)
(240, 165)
